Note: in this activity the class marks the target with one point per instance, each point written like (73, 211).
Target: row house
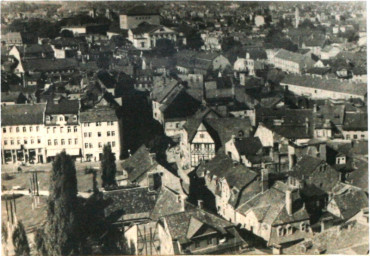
(231, 183)
(277, 215)
(324, 88)
(355, 126)
(23, 133)
(203, 136)
(63, 130)
(36, 133)
(145, 36)
(292, 62)
(99, 127)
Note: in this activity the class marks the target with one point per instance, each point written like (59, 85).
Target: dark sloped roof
(350, 202)
(142, 10)
(22, 114)
(45, 65)
(63, 107)
(138, 164)
(145, 28)
(178, 223)
(99, 114)
(35, 48)
(335, 85)
(355, 121)
(248, 146)
(137, 201)
(237, 175)
(182, 106)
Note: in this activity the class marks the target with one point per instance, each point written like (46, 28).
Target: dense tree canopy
(108, 167)
(62, 234)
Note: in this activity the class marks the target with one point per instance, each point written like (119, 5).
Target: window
(201, 135)
(69, 141)
(74, 118)
(113, 133)
(10, 129)
(209, 241)
(85, 134)
(355, 136)
(60, 118)
(362, 136)
(4, 130)
(99, 145)
(61, 129)
(24, 129)
(109, 144)
(17, 129)
(197, 245)
(113, 143)
(31, 129)
(69, 129)
(18, 142)
(47, 118)
(98, 123)
(54, 129)
(76, 141)
(75, 128)
(90, 145)
(5, 142)
(99, 134)
(86, 145)
(55, 142)
(38, 141)
(63, 142)
(37, 128)
(90, 134)
(348, 137)
(108, 133)
(25, 141)
(49, 142)
(32, 141)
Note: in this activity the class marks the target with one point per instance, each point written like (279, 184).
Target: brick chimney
(289, 202)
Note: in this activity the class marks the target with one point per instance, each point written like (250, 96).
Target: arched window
(289, 229)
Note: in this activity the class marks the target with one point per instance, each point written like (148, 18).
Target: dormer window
(47, 118)
(61, 118)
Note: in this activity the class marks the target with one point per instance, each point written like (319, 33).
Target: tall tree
(108, 167)
(61, 229)
(20, 241)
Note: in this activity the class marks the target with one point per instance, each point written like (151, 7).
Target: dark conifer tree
(20, 241)
(108, 167)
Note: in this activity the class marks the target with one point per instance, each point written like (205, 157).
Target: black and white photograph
(184, 127)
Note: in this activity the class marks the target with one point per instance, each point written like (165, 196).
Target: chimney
(314, 108)
(152, 157)
(289, 202)
(200, 204)
(264, 179)
(181, 200)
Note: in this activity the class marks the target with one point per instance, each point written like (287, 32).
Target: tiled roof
(138, 164)
(142, 10)
(248, 146)
(355, 122)
(335, 85)
(236, 174)
(178, 223)
(98, 114)
(22, 114)
(308, 169)
(350, 201)
(63, 107)
(145, 28)
(129, 203)
(45, 65)
(181, 106)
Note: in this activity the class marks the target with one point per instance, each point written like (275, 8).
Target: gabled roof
(350, 200)
(22, 114)
(129, 203)
(159, 94)
(269, 206)
(237, 175)
(355, 122)
(139, 163)
(182, 105)
(142, 10)
(335, 85)
(63, 107)
(98, 114)
(179, 223)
